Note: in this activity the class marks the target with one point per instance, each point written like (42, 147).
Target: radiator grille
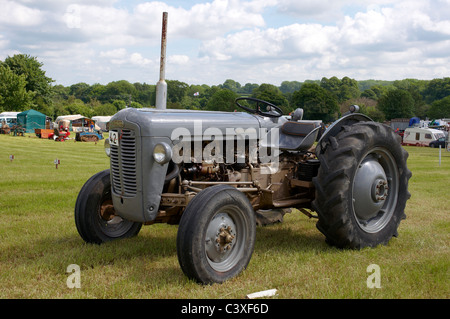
(123, 164)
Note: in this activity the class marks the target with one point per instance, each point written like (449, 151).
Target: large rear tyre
(361, 186)
(216, 235)
(95, 217)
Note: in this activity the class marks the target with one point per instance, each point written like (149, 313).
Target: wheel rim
(111, 224)
(375, 190)
(225, 237)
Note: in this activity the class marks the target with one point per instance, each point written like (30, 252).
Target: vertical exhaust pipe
(161, 86)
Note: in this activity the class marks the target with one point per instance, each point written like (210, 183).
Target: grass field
(38, 240)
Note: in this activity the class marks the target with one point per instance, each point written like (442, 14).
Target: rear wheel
(95, 217)
(361, 186)
(216, 235)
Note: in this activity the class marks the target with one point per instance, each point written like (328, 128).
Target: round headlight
(162, 153)
(107, 148)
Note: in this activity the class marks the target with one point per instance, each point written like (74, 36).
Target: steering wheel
(272, 110)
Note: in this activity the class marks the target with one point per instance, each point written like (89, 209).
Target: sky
(249, 41)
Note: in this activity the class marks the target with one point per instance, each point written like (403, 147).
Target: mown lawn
(38, 240)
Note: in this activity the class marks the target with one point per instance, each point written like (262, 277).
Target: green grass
(38, 240)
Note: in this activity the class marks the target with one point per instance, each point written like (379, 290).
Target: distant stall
(101, 121)
(32, 119)
(74, 123)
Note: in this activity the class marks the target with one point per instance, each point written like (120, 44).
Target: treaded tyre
(216, 235)
(95, 218)
(361, 186)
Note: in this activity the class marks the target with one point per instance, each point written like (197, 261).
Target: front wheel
(361, 186)
(95, 217)
(216, 235)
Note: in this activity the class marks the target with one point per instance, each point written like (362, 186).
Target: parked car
(439, 142)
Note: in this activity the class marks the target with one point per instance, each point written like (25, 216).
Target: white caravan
(421, 136)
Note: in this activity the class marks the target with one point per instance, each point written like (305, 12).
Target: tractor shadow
(291, 236)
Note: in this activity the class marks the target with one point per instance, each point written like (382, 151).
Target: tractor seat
(295, 136)
(301, 129)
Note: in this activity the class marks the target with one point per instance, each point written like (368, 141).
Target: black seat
(298, 128)
(294, 136)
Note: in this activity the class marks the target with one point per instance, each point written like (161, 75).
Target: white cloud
(310, 8)
(17, 15)
(250, 41)
(290, 42)
(178, 59)
(139, 60)
(3, 42)
(201, 21)
(121, 56)
(119, 53)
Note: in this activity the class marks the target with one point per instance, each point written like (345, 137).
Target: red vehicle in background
(59, 135)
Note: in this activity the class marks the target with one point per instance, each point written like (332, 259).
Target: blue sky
(260, 41)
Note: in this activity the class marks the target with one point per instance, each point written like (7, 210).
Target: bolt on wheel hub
(224, 239)
(380, 190)
(220, 237)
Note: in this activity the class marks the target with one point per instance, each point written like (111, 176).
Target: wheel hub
(220, 237)
(107, 210)
(370, 189)
(108, 214)
(380, 190)
(224, 239)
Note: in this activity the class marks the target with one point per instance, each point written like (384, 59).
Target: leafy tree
(332, 85)
(135, 105)
(370, 94)
(349, 89)
(60, 92)
(119, 90)
(80, 91)
(248, 88)
(440, 108)
(367, 84)
(222, 100)
(376, 91)
(77, 106)
(343, 90)
(415, 88)
(36, 81)
(437, 89)
(13, 94)
(290, 86)
(272, 94)
(231, 85)
(119, 104)
(105, 109)
(367, 106)
(145, 94)
(176, 90)
(317, 102)
(98, 91)
(397, 104)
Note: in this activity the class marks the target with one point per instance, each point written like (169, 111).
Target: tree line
(25, 85)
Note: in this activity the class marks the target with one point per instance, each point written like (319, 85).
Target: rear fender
(336, 127)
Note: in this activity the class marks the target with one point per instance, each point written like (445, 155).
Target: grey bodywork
(149, 127)
(153, 126)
